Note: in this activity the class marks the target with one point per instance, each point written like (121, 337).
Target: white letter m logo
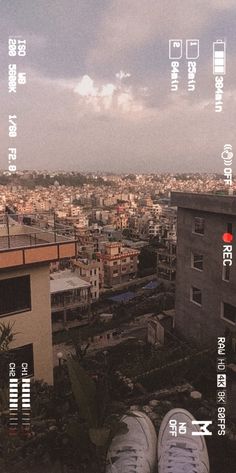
(203, 427)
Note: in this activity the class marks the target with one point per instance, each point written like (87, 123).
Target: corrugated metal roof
(124, 297)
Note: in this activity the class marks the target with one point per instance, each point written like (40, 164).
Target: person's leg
(184, 453)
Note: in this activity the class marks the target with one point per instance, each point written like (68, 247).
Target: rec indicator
(227, 237)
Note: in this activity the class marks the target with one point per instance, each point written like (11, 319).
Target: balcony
(166, 272)
(68, 291)
(69, 302)
(166, 252)
(34, 238)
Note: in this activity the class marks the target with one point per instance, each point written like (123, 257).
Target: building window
(115, 263)
(196, 295)
(15, 295)
(95, 283)
(197, 261)
(95, 272)
(228, 312)
(226, 273)
(199, 225)
(91, 272)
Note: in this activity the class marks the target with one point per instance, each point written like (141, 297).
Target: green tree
(6, 337)
(92, 401)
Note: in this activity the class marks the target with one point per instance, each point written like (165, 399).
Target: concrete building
(206, 266)
(159, 326)
(153, 228)
(70, 297)
(166, 261)
(25, 256)
(90, 271)
(120, 264)
(155, 332)
(105, 339)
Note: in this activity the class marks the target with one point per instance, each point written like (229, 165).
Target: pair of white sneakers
(139, 451)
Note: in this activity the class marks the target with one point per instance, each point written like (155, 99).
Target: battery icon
(192, 48)
(175, 48)
(219, 59)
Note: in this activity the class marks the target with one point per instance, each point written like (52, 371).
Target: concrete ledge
(222, 204)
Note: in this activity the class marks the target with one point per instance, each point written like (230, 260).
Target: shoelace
(181, 459)
(128, 460)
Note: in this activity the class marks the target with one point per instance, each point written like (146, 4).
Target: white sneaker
(185, 453)
(136, 450)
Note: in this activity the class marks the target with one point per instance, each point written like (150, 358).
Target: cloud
(58, 128)
(113, 97)
(128, 25)
(222, 5)
(98, 87)
(86, 88)
(122, 75)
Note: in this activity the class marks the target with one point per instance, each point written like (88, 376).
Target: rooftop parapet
(214, 203)
(33, 238)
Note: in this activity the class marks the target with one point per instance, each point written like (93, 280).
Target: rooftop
(85, 263)
(27, 239)
(222, 204)
(135, 244)
(65, 281)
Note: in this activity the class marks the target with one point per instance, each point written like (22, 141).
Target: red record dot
(227, 237)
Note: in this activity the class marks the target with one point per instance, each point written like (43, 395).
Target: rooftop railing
(33, 229)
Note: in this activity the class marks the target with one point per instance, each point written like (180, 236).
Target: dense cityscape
(117, 236)
(102, 263)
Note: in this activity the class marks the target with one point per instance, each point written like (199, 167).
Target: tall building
(25, 255)
(166, 261)
(206, 266)
(90, 270)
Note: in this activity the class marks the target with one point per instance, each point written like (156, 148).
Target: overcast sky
(98, 85)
